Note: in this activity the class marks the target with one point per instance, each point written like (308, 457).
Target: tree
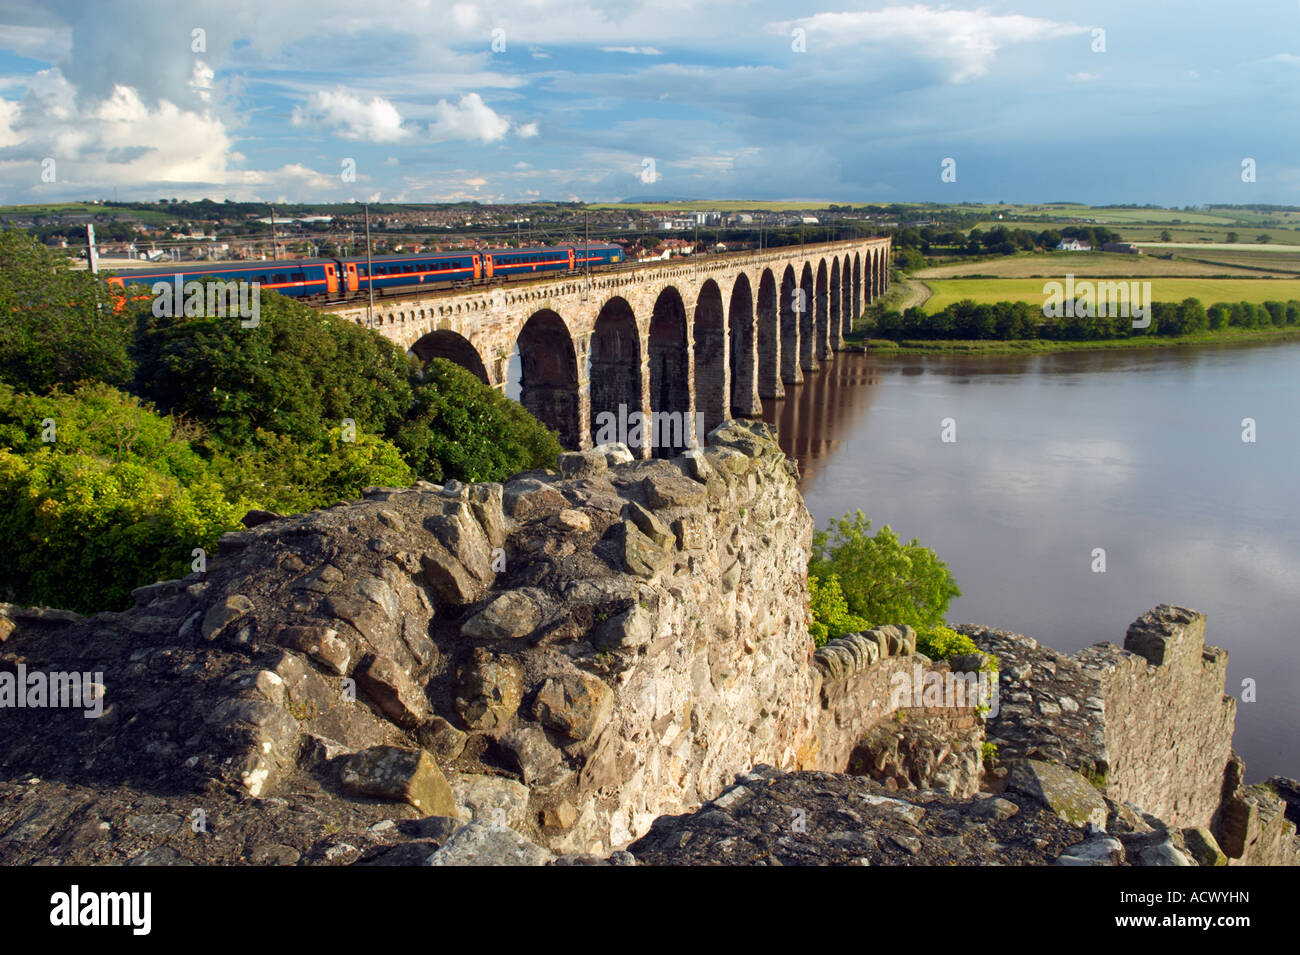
(299, 372)
(55, 323)
(882, 580)
(460, 428)
(1165, 236)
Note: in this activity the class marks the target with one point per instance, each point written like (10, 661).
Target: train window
(299, 277)
(280, 278)
(409, 268)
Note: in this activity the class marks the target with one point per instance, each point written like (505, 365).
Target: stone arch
(857, 285)
(709, 340)
(834, 319)
(743, 351)
(670, 369)
(453, 347)
(821, 323)
(548, 375)
(846, 299)
(614, 373)
(791, 373)
(769, 339)
(805, 300)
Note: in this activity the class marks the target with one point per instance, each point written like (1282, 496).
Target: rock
(576, 704)
(571, 520)
(671, 489)
(641, 556)
(615, 452)
(395, 772)
(629, 629)
(651, 525)
(442, 739)
(477, 844)
(492, 800)
(537, 760)
(487, 502)
(995, 808)
(1163, 853)
(1067, 794)
(489, 689)
(560, 816)
(509, 616)
(393, 689)
(322, 644)
(1203, 847)
(581, 464)
(257, 517)
(223, 613)
(1099, 849)
(451, 583)
(527, 500)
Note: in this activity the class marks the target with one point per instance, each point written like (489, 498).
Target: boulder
(395, 772)
(1066, 793)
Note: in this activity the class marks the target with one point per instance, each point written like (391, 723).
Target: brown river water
(1137, 452)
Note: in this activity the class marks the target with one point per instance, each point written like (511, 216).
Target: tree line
(1013, 321)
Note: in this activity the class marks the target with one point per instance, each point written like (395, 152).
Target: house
(1073, 245)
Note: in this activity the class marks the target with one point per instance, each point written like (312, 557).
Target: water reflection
(1136, 452)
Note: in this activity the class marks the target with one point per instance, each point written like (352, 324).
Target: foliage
(460, 428)
(830, 613)
(940, 642)
(81, 531)
(290, 476)
(98, 420)
(298, 372)
(968, 320)
(52, 327)
(882, 580)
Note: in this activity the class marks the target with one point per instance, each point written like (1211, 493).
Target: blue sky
(549, 99)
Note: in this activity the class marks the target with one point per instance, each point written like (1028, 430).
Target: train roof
(413, 256)
(208, 268)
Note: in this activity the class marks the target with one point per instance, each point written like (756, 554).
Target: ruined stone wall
(1149, 723)
(615, 642)
(1168, 723)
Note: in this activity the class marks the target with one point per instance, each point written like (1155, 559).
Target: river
(1137, 452)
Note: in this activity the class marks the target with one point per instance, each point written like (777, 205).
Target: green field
(1209, 291)
(1186, 263)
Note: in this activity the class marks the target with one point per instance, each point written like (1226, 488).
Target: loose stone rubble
(535, 672)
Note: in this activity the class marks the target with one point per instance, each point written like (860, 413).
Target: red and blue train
(336, 280)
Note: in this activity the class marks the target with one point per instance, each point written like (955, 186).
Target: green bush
(830, 614)
(56, 324)
(290, 476)
(882, 580)
(299, 372)
(81, 532)
(461, 428)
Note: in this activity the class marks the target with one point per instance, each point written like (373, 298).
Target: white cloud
(641, 50)
(1083, 77)
(376, 121)
(469, 119)
(526, 131)
(967, 41)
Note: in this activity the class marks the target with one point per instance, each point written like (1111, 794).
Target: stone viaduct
(708, 335)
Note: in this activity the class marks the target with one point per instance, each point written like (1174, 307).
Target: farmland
(1163, 289)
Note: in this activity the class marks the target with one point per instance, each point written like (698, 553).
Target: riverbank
(1233, 336)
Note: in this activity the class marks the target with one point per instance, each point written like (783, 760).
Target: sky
(1139, 101)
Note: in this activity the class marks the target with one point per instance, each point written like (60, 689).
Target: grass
(1106, 264)
(1208, 290)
